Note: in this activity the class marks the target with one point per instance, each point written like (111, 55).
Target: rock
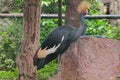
(55, 77)
(91, 59)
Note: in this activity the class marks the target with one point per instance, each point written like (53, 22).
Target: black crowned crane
(59, 39)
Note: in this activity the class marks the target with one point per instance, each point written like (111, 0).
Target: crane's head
(83, 7)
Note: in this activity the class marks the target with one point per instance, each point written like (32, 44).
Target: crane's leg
(59, 59)
(59, 62)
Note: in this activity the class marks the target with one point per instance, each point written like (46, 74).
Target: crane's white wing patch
(42, 53)
(62, 39)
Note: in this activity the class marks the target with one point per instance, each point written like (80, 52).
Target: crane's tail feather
(40, 63)
(43, 61)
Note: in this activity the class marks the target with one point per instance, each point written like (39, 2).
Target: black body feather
(54, 38)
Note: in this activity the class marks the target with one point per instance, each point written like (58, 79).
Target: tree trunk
(72, 16)
(115, 10)
(30, 40)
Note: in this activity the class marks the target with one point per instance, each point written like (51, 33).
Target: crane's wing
(51, 43)
(53, 39)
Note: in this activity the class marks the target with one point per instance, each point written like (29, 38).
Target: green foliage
(10, 43)
(48, 71)
(116, 33)
(43, 74)
(9, 75)
(48, 6)
(18, 5)
(51, 7)
(47, 25)
(6, 63)
(94, 7)
(99, 27)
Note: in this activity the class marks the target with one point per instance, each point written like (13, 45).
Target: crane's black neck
(82, 20)
(80, 31)
(82, 27)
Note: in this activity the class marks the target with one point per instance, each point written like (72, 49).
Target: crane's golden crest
(83, 6)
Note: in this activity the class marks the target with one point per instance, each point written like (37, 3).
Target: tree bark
(72, 16)
(30, 40)
(115, 10)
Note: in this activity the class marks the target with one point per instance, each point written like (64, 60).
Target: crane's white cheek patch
(42, 53)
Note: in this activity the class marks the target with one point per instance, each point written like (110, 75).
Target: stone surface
(90, 59)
